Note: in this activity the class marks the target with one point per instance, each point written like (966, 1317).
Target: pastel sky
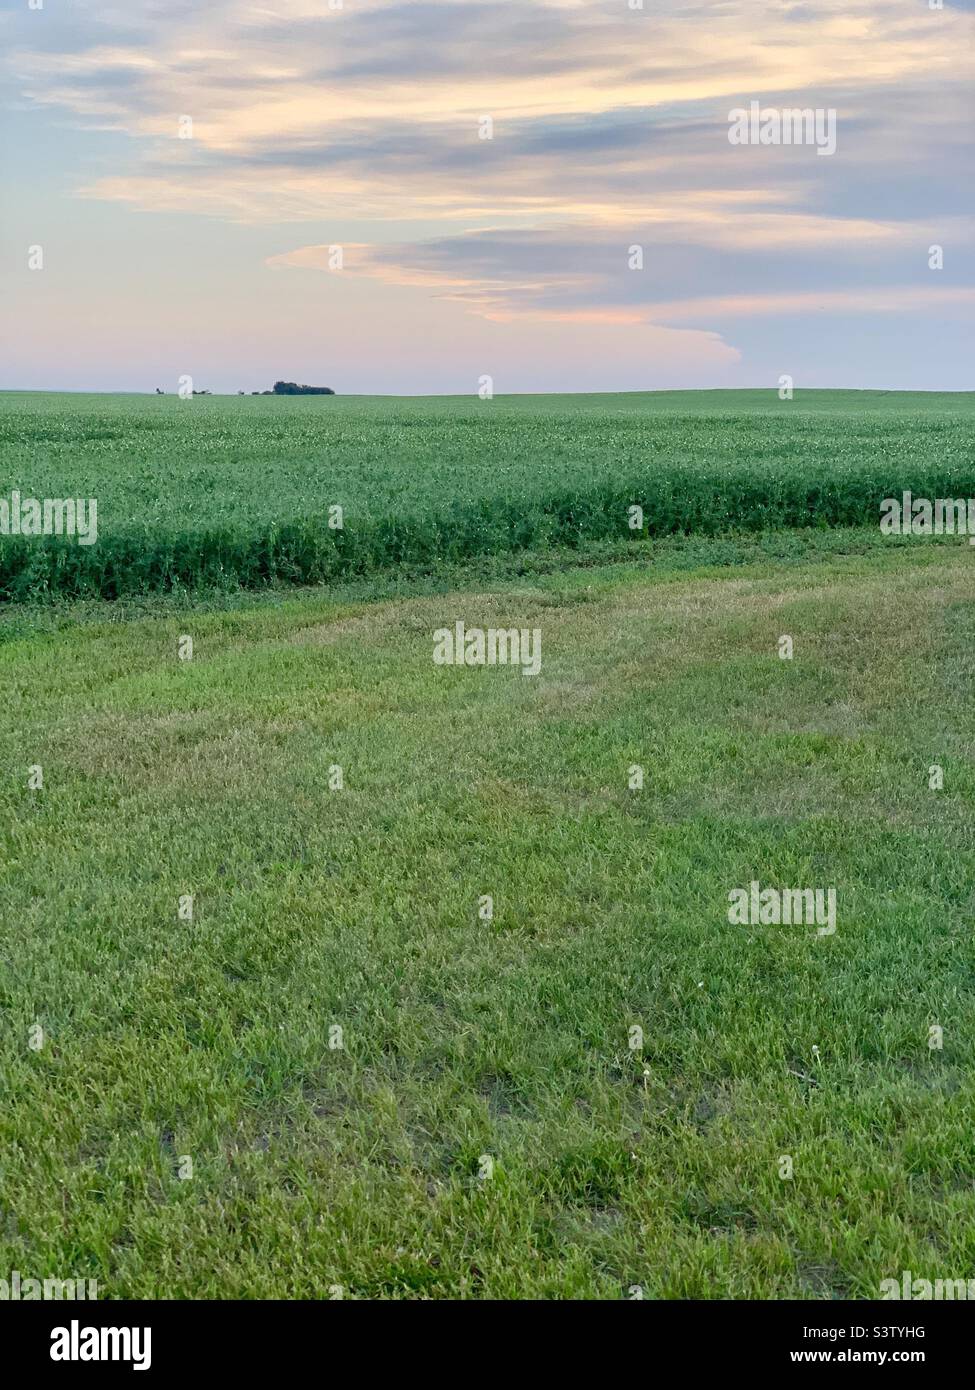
(359, 127)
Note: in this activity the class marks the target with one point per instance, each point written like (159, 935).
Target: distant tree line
(280, 388)
(291, 388)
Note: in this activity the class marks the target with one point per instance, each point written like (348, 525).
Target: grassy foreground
(358, 1167)
(236, 492)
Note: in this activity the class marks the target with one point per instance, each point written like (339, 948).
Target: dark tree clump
(291, 388)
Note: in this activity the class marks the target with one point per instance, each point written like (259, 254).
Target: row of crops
(241, 492)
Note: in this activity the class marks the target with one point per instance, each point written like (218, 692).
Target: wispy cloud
(609, 131)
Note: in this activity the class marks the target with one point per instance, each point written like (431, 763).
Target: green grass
(234, 492)
(358, 1167)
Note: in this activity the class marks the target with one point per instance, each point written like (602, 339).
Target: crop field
(327, 970)
(236, 492)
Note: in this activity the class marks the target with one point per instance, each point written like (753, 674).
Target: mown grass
(235, 492)
(358, 1167)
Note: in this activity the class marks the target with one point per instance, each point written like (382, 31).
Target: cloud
(684, 263)
(609, 130)
(284, 74)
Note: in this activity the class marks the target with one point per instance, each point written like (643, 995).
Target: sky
(404, 198)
